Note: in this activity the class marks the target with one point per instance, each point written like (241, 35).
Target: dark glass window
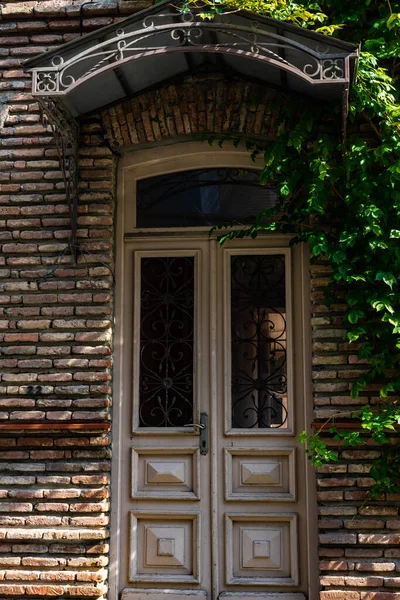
(201, 198)
(258, 338)
(166, 341)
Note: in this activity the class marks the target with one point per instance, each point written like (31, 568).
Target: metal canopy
(159, 43)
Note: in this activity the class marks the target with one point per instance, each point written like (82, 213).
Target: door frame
(183, 156)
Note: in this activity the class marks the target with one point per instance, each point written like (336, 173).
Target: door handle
(203, 429)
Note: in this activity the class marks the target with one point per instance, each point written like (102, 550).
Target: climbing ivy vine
(344, 200)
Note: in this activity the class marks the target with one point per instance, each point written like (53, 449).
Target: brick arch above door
(196, 106)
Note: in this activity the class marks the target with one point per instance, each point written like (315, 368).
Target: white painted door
(214, 494)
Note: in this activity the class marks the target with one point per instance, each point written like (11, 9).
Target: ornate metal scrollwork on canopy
(65, 130)
(162, 33)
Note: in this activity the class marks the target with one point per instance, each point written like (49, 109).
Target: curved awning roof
(159, 43)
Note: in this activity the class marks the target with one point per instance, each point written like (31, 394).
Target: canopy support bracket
(65, 130)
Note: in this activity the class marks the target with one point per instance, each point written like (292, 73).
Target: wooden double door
(213, 481)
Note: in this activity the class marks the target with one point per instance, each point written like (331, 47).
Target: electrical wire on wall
(81, 16)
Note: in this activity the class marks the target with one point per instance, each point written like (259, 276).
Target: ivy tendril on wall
(344, 201)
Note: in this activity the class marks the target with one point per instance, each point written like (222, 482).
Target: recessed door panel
(164, 547)
(261, 549)
(167, 474)
(258, 474)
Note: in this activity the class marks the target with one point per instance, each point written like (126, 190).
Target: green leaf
(386, 277)
(354, 315)
(393, 20)
(355, 333)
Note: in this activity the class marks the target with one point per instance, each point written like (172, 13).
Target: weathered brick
(336, 482)
(392, 582)
(379, 510)
(34, 324)
(339, 595)
(19, 248)
(378, 538)
(331, 496)
(363, 553)
(32, 415)
(364, 581)
(45, 590)
(42, 562)
(86, 591)
(12, 590)
(375, 566)
(338, 538)
(338, 510)
(21, 337)
(17, 480)
(380, 595)
(52, 507)
(10, 507)
(364, 524)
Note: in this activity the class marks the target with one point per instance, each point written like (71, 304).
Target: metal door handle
(203, 429)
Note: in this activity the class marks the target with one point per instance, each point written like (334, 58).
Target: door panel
(164, 547)
(213, 331)
(261, 549)
(166, 476)
(261, 508)
(260, 474)
(166, 507)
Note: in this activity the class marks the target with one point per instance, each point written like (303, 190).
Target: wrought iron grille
(66, 135)
(258, 337)
(166, 341)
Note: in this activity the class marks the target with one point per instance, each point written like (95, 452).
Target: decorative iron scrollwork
(65, 130)
(258, 337)
(166, 341)
(47, 82)
(325, 69)
(173, 31)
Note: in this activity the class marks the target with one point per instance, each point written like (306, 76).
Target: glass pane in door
(166, 341)
(258, 341)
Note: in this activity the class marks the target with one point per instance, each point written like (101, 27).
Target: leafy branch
(345, 203)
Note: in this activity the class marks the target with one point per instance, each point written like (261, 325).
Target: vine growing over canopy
(345, 202)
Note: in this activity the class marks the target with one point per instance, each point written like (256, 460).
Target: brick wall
(358, 538)
(56, 332)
